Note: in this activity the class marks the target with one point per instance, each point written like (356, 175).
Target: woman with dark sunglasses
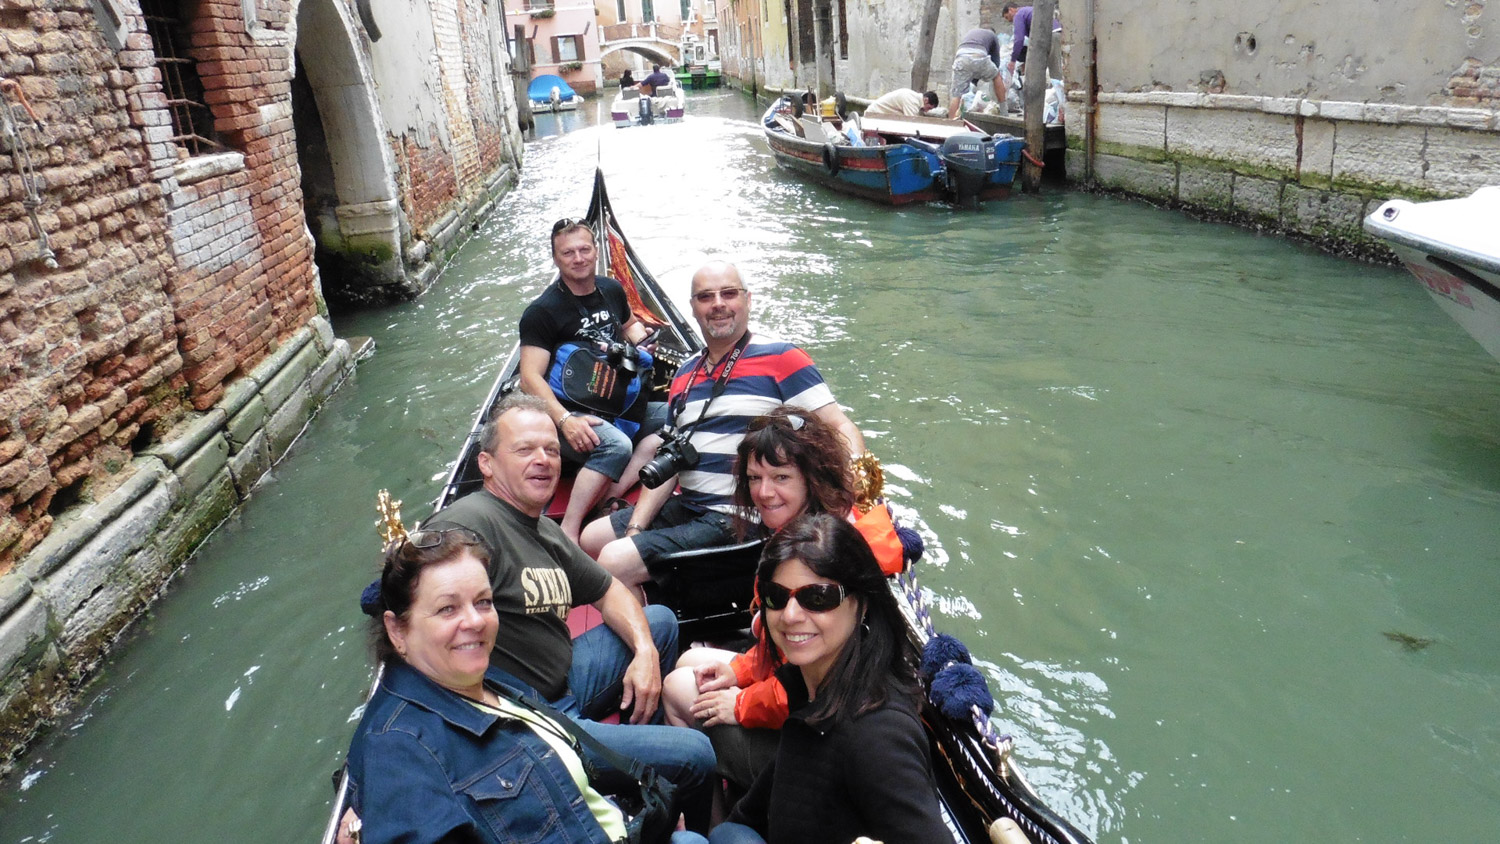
(789, 463)
(853, 758)
(447, 751)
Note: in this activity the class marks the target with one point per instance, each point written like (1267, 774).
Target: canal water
(1216, 513)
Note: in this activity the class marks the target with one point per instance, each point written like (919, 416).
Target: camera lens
(656, 472)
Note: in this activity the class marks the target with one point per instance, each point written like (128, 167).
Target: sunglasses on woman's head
(792, 420)
(814, 597)
(423, 539)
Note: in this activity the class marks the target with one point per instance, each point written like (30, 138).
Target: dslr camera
(621, 355)
(672, 456)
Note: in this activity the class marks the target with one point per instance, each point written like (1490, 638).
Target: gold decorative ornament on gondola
(869, 481)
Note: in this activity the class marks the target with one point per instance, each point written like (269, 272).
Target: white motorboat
(633, 108)
(1452, 246)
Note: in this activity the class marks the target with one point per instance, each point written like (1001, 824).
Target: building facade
(182, 182)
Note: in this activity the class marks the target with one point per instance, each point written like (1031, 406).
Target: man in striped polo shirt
(714, 396)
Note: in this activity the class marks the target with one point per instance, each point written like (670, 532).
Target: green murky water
(1185, 490)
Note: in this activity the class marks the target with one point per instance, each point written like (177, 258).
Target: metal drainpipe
(1091, 93)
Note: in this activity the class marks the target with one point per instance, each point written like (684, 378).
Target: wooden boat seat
(788, 125)
(931, 128)
(706, 587)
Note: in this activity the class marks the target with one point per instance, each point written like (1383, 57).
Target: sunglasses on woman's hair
(424, 539)
(760, 423)
(814, 597)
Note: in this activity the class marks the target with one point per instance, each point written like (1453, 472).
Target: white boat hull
(1452, 247)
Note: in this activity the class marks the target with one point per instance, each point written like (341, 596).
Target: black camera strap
(720, 384)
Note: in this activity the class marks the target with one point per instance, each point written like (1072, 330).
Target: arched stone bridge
(660, 42)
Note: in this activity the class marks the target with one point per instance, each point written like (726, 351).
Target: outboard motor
(969, 159)
(555, 99)
(643, 108)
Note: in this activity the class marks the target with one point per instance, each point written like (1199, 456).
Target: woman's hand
(714, 676)
(717, 707)
(349, 827)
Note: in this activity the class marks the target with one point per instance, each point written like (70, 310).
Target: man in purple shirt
(1020, 17)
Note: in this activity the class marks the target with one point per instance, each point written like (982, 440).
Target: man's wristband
(634, 527)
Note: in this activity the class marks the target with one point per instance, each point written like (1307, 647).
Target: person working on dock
(538, 575)
(655, 80)
(578, 356)
(904, 101)
(444, 731)
(977, 58)
(714, 396)
(1019, 17)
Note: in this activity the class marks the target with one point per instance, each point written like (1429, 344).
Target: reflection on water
(1177, 482)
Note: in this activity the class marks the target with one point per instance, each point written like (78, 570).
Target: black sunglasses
(567, 222)
(814, 597)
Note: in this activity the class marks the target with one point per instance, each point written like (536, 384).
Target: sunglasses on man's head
(814, 597)
(728, 294)
(564, 223)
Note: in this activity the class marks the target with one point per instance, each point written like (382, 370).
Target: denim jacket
(430, 766)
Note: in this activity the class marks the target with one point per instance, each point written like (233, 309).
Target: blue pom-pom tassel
(911, 544)
(959, 687)
(941, 650)
(369, 600)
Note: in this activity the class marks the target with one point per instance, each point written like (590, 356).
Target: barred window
(192, 122)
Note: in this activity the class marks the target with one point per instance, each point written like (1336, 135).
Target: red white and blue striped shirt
(769, 373)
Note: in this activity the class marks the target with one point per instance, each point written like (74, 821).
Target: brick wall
(428, 183)
(89, 347)
(173, 275)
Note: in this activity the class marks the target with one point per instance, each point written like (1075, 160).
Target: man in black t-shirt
(577, 304)
(538, 576)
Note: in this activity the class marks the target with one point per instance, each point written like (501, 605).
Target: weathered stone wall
(450, 117)
(173, 273)
(160, 317)
(1290, 117)
(1307, 168)
(66, 603)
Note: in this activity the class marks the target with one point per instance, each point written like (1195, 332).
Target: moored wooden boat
(893, 159)
(1452, 246)
(711, 590)
(550, 92)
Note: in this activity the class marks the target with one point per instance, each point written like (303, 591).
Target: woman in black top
(853, 758)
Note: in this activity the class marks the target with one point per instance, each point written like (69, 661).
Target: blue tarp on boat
(540, 89)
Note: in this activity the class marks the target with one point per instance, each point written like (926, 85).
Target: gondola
(710, 589)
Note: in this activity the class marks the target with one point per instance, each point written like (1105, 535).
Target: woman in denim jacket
(444, 752)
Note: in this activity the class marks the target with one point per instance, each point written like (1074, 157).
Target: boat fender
(831, 159)
(1007, 831)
